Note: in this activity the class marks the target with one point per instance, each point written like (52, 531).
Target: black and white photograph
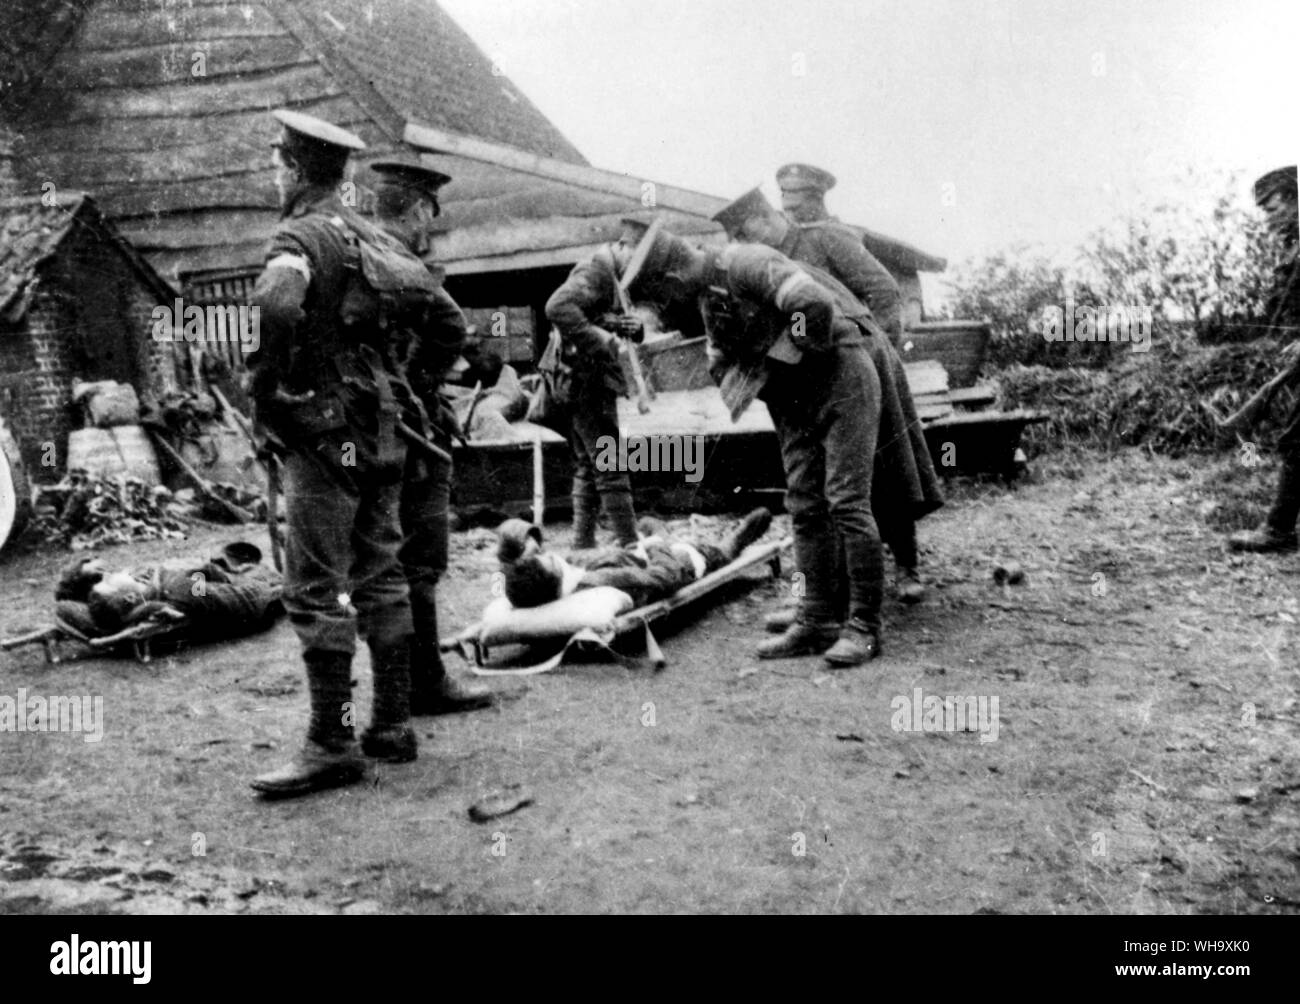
(650, 457)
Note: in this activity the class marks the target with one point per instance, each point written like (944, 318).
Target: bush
(1166, 400)
(1204, 275)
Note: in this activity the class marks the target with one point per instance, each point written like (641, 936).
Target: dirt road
(1147, 751)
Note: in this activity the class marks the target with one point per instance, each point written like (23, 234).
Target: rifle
(273, 474)
(1249, 414)
(643, 393)
(425, 446)
(204, 487)
(1245, 417)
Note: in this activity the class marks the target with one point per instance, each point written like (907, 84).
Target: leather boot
(1278, 531)
(909, 589)
(802, 638)
(750, 530)
(622, 517)
(434, 691)
(329, 758)
(1263, 540)
(857, 644)
(779, 621)
(390, 737)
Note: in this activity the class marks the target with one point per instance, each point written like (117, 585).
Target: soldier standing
(1275, 193)
(326, 391)
(406, 204)
(905, 486)
(587, 312)
(770, 323)
(818, 238)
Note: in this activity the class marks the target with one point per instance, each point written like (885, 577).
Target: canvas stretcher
(596, 627)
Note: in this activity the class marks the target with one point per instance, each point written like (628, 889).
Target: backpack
(389, 289)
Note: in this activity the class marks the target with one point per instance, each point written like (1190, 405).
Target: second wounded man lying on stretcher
(209, 599)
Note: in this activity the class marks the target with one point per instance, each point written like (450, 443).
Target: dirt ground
(1146, 760)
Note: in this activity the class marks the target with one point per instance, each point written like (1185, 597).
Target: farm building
(159, 108)
(76, 302)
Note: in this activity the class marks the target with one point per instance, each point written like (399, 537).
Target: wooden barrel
(15, 491)
(960, 346)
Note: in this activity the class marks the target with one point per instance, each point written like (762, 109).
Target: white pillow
(593, 609)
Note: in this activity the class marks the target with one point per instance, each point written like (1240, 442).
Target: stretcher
(591, 620)
(138, 639)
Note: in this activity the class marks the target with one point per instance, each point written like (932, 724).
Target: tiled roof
(30, 233)
(428, 69)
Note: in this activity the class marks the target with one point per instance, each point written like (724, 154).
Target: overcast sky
(959, 125)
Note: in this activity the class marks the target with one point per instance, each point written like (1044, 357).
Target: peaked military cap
(1280, 181)
(309, 131)
(795, 177)
(752, 203)
(659, 253)
(410, 174)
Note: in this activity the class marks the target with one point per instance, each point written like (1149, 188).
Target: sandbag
(123, 451)
(108, 403)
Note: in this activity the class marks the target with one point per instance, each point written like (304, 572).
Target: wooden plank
(690, 413)
(125, 23)
(202, 228)
(238, 153)
(254, 91)
(219, 254)
(517, 261)
(246, 190)
(595, 179)
(928, 412)
(926, 377)
(969, 396)
(991, 419)
(175, 62)
(112, 134)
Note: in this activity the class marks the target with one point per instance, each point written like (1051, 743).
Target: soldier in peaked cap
(327, 391)
(822, 240)
(406, 199)
(905, 486)
(1275, 194)
(406, 204)
(587, 312)
(775, 331)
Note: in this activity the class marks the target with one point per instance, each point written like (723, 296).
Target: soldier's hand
(627, 326)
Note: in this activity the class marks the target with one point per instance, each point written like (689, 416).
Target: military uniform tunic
(826, 409)
(426, 495)
(590, 291)
(344, 463)
(836, 249)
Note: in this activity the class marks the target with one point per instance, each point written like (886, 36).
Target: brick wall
(90, 319)
(36, 383)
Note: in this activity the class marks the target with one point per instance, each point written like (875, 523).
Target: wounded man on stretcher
(654, 568)
(197, 598)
